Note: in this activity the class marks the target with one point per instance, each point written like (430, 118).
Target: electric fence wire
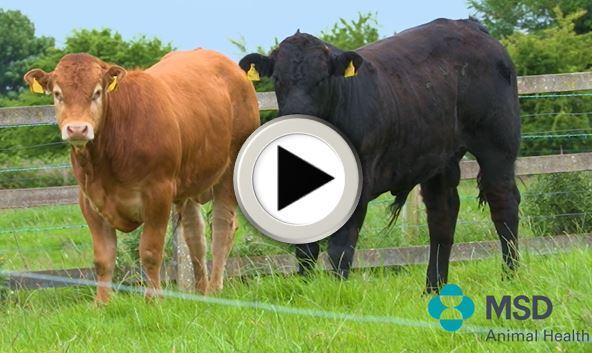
(267, 307)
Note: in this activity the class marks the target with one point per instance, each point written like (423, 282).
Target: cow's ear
(38, 81)
(256, 66)
(113, 76)
(347, 64)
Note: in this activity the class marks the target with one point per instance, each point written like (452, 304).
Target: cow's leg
(497, 187)
(223, 228)
(157, 207)
(442, 205)
(307, 255)
(193, 232)
(342, 243)
(104, 248)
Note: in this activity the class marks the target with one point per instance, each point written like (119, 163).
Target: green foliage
(25, 99)
(504, 17)
(140, 52)
(14, 142)
(109, 46)
(128, 266)
(28, 146)
(349, 35)
(559, 203)
(555, 49)
(18, 48)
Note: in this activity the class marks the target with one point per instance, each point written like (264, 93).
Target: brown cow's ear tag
(113, 85)
(36, 87)
(253, 74)
(350, 70)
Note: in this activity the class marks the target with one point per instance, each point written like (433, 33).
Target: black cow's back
(438, 88)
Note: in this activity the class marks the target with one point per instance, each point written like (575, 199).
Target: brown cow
(144, 140)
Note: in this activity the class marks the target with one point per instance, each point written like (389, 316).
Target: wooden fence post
(181, 258)
(411, 213)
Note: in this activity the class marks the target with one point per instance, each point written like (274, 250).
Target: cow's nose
(77, 133)
(74, 130)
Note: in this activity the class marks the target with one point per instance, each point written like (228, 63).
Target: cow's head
(302, 68)
(80, 86)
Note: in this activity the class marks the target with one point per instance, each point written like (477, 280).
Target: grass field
(66, 320)
(57, 237)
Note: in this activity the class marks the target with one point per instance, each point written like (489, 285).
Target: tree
(349, 35)
(140, 52)
(18, 48)
(109, 46)
(555, 49)
(504, 17)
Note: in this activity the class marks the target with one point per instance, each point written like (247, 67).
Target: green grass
(65, 320)
(57, 237)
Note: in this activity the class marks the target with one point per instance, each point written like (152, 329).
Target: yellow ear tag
(253, 74)
(36, 87)
(350, 70)
(113, 85)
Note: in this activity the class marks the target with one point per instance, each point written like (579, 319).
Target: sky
(210, 24)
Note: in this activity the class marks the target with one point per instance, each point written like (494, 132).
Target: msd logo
(451, 307)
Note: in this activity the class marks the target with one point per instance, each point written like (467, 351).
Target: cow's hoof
(101, 302)
(508, 273)
(215, 287)
(202, 287)
(431, 290)
(152, 295)
(103, 297)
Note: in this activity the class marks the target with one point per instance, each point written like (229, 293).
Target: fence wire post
(181, 257)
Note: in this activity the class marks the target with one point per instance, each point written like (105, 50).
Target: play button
(297, 179)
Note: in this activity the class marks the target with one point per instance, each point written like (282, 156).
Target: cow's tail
(482, 198)
(396, 207)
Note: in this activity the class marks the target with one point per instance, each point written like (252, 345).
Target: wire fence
(33, 246)
(473, 223)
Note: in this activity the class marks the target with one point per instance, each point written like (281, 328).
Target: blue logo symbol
(451, 307)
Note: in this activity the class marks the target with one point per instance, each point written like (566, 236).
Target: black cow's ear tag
(350, 70)
(253, 74)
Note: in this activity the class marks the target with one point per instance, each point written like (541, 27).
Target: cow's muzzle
(78, 133)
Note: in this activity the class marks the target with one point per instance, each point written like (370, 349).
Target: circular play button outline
(244, 183)
(287, 183)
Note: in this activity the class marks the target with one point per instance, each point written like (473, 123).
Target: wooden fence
(181, 269)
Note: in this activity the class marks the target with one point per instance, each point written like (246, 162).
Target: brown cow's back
(216, 110)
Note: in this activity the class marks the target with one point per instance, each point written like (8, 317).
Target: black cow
(412, 105)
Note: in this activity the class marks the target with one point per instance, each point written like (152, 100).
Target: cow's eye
(58, 96)
(97, 94)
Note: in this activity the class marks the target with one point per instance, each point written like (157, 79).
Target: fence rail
(65, 195)
(44, 115)
(577, 81)
(367, 258)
